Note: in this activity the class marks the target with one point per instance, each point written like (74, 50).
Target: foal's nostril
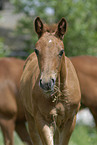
(53, 80)
(40, 82)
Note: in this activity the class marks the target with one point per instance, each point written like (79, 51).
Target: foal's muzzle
(47, 86)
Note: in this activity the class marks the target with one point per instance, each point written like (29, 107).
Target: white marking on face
(50, 41)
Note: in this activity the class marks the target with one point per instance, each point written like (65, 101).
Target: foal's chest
(56, 114)
(59, 118)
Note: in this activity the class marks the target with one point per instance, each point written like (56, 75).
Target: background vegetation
(81, 16)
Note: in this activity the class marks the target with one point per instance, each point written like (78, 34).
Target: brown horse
(11, 109)
(50, 89)
(86, 68)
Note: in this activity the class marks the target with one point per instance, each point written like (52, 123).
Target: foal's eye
(37, 52)
(61, 53)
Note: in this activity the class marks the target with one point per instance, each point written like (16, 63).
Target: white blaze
(50, 41)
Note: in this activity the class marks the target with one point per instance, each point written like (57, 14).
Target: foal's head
(49, 50)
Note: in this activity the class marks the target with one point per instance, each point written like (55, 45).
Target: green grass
(82, 135)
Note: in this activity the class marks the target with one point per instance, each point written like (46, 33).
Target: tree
(81, 16)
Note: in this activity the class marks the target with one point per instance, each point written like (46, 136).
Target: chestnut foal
(50, 89)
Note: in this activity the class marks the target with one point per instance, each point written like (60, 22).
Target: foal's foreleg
(67, 131)
(22, 132)
(46, 130)
(33, 130)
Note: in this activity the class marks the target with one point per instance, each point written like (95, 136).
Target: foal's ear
(61, 28)
(38, 26)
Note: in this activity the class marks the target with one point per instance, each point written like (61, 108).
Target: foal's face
(49, 50)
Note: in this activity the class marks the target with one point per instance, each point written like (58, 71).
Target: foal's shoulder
(68, 62)
(30, 58)
(70, 68)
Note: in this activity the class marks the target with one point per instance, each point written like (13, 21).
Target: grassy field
(82, 135)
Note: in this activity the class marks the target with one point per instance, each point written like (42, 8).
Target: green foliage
(81, 16)
(3, 51)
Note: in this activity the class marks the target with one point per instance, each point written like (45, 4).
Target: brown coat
(86, 68)
(50, 89)
(12, 115)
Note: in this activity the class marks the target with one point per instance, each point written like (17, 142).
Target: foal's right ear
(38, 26)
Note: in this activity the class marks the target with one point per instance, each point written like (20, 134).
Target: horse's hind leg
(94, 113)
(22, 132)
(7, 127)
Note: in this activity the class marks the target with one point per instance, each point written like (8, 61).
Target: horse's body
(50, 89)
(11, 109)
(86, 68)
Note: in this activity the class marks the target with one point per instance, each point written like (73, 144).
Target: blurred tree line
(81, 16)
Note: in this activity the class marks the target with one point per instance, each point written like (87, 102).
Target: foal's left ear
(38, 26)
(61, 28)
